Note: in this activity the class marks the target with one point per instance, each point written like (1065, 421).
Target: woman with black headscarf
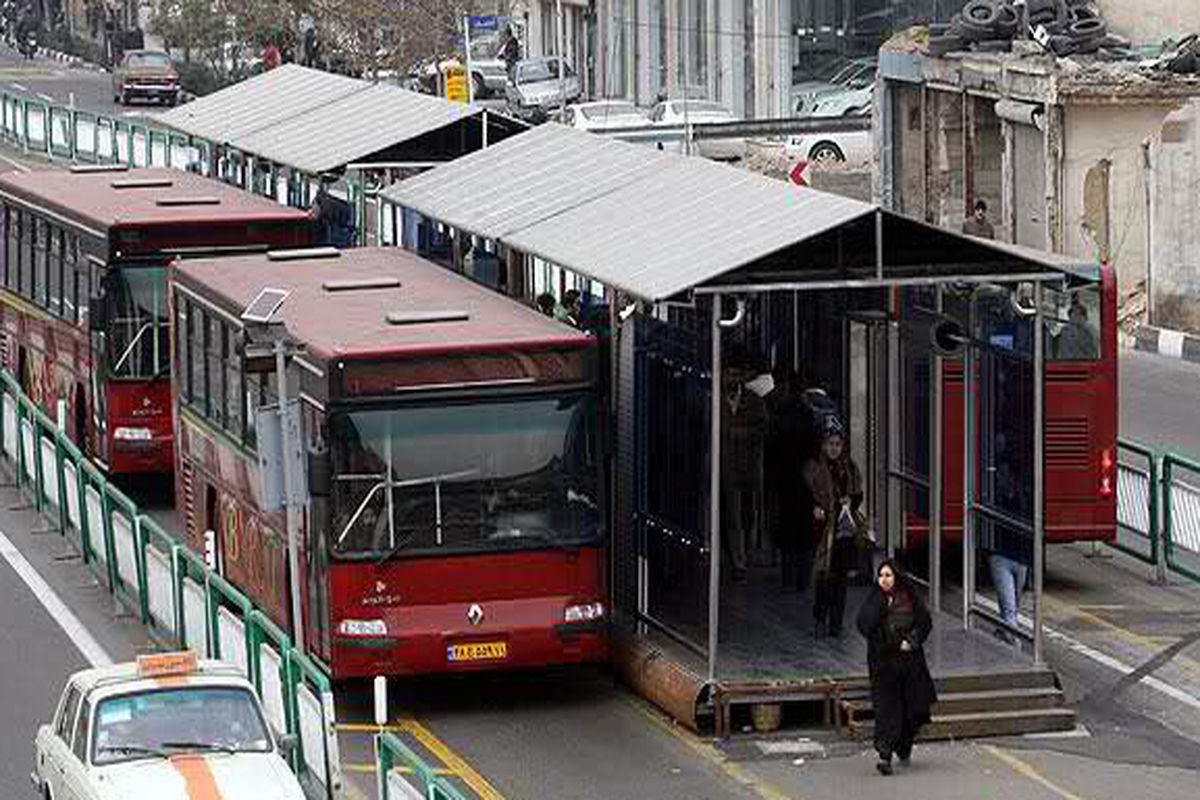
(896, 624)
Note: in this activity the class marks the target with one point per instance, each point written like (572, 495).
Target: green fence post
(25, 125)
(1168, 475)
(110, 545)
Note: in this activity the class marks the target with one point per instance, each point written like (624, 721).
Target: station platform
(772, 669)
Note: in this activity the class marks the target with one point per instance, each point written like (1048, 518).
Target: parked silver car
(537, 89)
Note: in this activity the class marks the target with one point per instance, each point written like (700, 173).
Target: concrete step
(992, 723)
(994, 681)
(974, 702)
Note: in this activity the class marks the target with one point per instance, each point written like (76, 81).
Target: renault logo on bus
(475, 614)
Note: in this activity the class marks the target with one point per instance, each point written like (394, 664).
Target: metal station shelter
(699, 271)
(277, 132)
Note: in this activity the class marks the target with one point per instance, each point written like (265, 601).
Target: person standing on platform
(835, 484)
(896, 623)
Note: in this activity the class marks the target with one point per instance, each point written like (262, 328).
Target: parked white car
(856, 74)
(847, 102)
(683, 112)
(168, 727)
(603, 115)
(853, 148)
(536, 89)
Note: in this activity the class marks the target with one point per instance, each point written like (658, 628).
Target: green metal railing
(149, 572)
(1181, 514)
(403, 775)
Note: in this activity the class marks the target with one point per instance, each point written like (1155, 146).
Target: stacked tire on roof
(1063, 27)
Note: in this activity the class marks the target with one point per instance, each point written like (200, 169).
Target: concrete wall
(1174, 287)
(1151, 21)
(1104, 185)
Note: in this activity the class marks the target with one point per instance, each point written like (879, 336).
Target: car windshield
(482, 476)
(138, 327)
(542, 70)
(609, 110)
(167, 721)
(153, 60)
(852, 70)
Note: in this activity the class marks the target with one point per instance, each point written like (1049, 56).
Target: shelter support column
(1039, 475)
(714, 493)
(936, 459)
(968, 477)
(894, 514)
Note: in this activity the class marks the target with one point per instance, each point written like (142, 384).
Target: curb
(1166, 342)
(67, 58)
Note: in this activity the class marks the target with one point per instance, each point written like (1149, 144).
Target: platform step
(992, 723)
(994, 681)
(974, 702)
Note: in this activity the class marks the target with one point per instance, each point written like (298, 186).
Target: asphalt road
(1158, 401)
(62, 84)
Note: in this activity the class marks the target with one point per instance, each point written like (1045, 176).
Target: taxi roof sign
(160, 664)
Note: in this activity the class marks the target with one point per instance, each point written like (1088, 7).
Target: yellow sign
(160, 664)
(456, 84)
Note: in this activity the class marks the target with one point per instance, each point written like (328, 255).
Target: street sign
(457, 90)
(271, 455)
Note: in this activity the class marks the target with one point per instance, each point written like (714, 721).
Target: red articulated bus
(455, 505)
(1080, 408)
(83, 305)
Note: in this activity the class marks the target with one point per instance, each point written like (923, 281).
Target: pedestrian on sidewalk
(896, 623)
(835, 484)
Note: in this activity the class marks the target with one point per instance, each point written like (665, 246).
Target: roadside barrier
(182, 602)
(1158, 509)
(403, 775)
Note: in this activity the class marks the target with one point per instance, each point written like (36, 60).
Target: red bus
(1080, 407)
(83, 303)
(456, 515)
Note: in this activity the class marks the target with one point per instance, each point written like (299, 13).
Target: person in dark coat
(835, 485)
(743, 425)
(790, 502)
(895, 623)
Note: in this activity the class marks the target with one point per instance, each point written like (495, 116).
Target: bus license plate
(478, 651)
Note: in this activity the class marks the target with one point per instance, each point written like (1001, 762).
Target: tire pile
(1062, 27)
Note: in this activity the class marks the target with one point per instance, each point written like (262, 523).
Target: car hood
(544, 91)
(243, 776)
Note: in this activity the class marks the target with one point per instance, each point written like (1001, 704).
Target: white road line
(16, 164)
(1104, 659)
(19, 87)
(46, 97)
(66, 619)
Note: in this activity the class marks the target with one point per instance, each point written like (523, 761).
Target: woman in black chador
(896, 623)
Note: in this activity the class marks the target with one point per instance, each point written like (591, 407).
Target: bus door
(98, 340)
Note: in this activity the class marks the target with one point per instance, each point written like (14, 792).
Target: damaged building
(1090, 154)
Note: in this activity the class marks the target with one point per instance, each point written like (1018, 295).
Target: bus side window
(54, 264)
(216, 369)
(235, 392)
(71, 301)
(41, 284)
(5, 213)
(24, 259)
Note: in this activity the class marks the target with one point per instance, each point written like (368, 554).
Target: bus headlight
(362, 627)
(584, 613)
(132, 434)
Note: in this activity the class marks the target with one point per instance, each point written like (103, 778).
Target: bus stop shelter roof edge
(657, 225)
(316, 122)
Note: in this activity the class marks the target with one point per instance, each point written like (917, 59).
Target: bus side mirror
(318, 474)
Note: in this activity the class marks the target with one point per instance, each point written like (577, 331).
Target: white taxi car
(167, 727)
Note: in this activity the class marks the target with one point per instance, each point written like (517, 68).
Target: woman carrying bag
(896, 624)
(838, 524)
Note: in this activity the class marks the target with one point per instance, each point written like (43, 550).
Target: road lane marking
(21, 167)
(465, 772)
(66, 619)
(19, 87)
(455, 765)
(706, 751)
(1027, 771)
(46, 97)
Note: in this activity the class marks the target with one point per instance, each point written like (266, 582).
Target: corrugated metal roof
(524, 180)
(649, 222)
(652, 223)
(353, 127)
(258, 102)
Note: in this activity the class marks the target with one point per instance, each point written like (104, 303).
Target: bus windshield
(138, 327)
(477, 477)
